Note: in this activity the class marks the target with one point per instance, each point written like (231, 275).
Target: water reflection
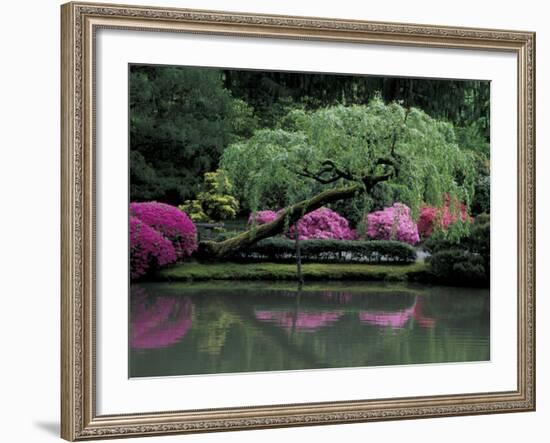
(395, 319)
(303, 320)
(179, 329)
(398, 319)
(158, 321)
(423, 320)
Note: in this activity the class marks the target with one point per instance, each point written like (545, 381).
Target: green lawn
(195, 271)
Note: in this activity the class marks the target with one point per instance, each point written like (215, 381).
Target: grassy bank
(195, 271)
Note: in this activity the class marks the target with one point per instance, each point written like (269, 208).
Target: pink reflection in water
(398, 319)
(423, 321)
(392, 319)
(159, 322)
(303, 320)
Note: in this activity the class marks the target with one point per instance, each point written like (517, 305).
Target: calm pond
(180, 329)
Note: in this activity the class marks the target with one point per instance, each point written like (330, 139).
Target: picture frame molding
(79, 24)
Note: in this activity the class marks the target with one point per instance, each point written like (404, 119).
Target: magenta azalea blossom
(323, 224)
(148, 248)
(393, 223)
(171, 222)
(320, 224)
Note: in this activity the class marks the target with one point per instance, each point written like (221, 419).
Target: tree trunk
(298, 256)
(210, 249)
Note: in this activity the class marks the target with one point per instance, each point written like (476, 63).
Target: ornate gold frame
(79, 22)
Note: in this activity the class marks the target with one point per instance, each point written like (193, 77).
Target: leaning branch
(328, 167)
(292, 213)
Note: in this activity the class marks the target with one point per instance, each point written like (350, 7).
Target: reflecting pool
(181, 329)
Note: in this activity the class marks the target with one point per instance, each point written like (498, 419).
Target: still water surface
(181, 329)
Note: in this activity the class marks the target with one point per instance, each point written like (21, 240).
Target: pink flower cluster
(443, 217)
(393, 223)
(323, 224)
(171, 222)
(262, 217)
(148, 248)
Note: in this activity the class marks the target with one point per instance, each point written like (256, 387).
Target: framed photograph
(283, 221)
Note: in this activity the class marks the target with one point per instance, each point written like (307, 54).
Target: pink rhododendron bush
(393, 223)
(171, 222)
(321, 224)
(148, 248)
(432, 217)
(160, 234)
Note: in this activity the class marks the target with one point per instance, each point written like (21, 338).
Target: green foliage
(196, 271)
(213, 203)
(267, 169)
(458, 267)
(480, 239)
(193, 208)
(473, 137)
(181, 119)
(482, 195)
(224, 235)
(382, 196)
(335, 251)
(476, 239)
(354, 208)
(482, 188)
(145, 182)
(463, 261)
(465, 103)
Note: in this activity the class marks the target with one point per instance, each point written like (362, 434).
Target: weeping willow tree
(321, 157)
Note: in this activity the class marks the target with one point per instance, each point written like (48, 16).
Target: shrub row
(279, 249)
(459, 267)
(464, 262)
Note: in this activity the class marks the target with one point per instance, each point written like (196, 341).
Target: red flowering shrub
(426, 220)
(431, 217)
(171, 222)
(149, 249)
(393, 223)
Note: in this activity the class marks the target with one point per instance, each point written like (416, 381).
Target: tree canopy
(415, 155)
(181, 119)
(465, 103)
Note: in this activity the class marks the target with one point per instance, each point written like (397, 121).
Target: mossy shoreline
(197, 271)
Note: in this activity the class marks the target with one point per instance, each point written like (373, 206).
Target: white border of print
(118, 394)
